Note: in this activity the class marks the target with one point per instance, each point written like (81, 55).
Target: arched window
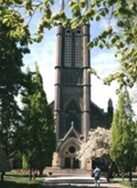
(78, 48)
(73, 114)
(68, 48)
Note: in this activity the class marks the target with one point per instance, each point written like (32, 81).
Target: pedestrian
(96, 174)
(109, 173)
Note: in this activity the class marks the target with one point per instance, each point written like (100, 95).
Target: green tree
(123, 137)
(38, 124)
(11, 79)
(12, 48)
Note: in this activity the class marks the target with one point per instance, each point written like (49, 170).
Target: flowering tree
(96, 145)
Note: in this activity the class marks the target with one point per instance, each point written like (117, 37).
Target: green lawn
(127, 184)
(19, 181)
(12, 180)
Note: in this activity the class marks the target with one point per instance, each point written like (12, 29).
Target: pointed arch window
(68, 48)
(78, 48)
(73, 114)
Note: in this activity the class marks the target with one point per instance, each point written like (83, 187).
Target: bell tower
(72, 92)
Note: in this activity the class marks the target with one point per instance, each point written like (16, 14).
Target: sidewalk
(113, 185)
(74, 182)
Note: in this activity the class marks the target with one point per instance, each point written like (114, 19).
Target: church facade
(74, 112)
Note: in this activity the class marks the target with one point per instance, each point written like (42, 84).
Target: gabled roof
(91, 104)
(72, 132)
(97, 107)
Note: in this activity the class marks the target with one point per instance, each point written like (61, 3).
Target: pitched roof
(72, 132)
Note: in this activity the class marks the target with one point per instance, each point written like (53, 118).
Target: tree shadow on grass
(11, 184)
(134, 185)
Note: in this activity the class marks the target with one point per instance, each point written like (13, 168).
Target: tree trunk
(123, 176)
(34, 174)
(30, 174)
(130, 176)
(2, 177)
(41, 172)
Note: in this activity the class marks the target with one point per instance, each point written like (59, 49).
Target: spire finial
(110, 103)
(62, 4)
(72, 124)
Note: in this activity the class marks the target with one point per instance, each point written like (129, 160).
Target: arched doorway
(70, 159)
(68, 153)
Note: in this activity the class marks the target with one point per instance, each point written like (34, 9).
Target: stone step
(76, 179)
(66, 172)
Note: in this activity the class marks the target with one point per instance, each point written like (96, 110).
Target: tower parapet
(86, 80)
(58, 79)
(110, 107)
(62, 4)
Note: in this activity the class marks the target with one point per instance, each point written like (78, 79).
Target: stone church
(74, 112)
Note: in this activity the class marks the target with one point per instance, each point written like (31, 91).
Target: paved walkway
(75, 182)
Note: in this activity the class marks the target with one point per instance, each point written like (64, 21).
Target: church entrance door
(71, 162)
(75, 163)
(67, 162)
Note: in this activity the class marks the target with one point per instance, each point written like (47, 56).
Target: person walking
(96, 174)
(109, 173)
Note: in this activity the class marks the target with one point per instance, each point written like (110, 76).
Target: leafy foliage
(38, 125)
(12, 19)
(123, 148)
(121, 32)
(11, 79)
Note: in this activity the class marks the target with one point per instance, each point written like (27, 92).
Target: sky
(104, 61)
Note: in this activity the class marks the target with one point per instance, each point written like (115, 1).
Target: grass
(128, 184)
(19, 181)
